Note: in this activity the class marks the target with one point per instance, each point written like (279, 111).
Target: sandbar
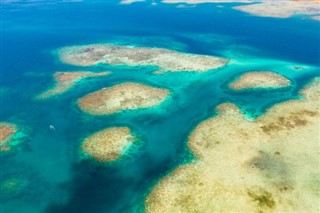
(66, 80)
(266, 165)
(109, 144)
(165, 59)
(281, 9)
(261, 79)
(126, 96)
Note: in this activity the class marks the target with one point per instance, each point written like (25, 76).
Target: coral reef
(166, 60)
(257, 80)
(122, 97)
(108, 144)
(265, 165)
(281, 9)
(66, 80)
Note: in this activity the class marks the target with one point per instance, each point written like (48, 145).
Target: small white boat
(51, 127)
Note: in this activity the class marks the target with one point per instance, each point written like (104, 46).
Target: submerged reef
(266, 165)
(109, 144)
(122, 97)
(12, 187)
(316, 18)
(66, 80)
(166, 60)
(3, 91)
(265, 79)
(10, 136)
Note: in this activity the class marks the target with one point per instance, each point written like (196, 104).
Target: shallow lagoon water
(58, 179)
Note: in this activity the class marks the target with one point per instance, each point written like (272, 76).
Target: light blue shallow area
(58, 179)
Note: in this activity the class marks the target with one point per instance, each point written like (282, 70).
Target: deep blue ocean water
(60, 181)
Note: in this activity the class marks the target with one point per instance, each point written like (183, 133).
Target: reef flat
(109, 144)
(281, 9)
(122, 97)
(265, 165)
(261, 79)
(166, 60)
(66, 80)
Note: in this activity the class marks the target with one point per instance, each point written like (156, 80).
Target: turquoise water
(58, 179)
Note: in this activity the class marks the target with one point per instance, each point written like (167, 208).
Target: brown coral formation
(266, 165)
(66, 80)
(7, 130)
(166, 60)
(109, 144)
(122, 97)
(264, 79)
